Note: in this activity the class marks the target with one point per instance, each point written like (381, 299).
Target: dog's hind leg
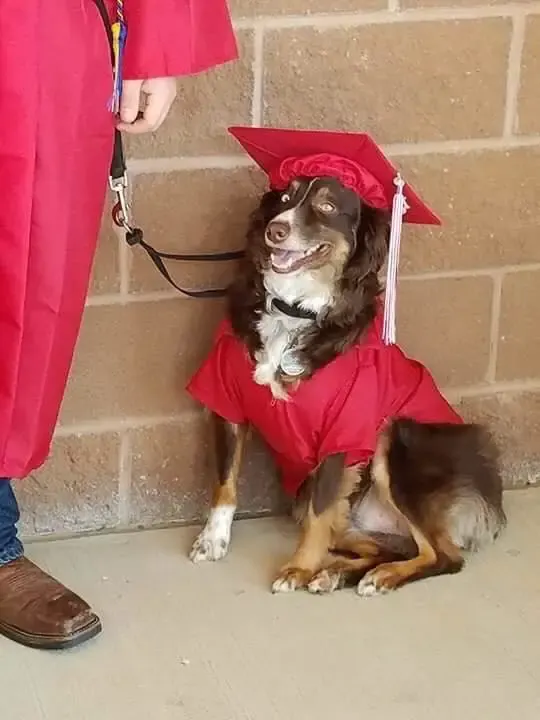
(436, 552)
(213, 541)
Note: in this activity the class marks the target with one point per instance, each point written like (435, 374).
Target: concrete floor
(210, 642)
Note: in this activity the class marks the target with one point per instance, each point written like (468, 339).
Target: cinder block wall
(453, 91)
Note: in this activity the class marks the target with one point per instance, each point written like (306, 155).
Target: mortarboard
(358, 162)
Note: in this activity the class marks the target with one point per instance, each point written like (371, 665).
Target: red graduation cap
(353, 158)
(358, 162)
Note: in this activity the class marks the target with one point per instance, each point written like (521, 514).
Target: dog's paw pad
(324, 581)
(209, 546)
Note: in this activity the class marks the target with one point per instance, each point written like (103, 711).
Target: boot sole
(51, 642)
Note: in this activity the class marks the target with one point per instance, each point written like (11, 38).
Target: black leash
(135, 236)
(121, 210)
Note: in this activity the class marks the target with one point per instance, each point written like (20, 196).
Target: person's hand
(144, 104)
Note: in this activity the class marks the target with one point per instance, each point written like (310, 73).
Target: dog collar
(295, 310)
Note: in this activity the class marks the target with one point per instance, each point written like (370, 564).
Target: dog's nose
(278, 231)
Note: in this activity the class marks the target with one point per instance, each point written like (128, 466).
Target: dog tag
(290, 364)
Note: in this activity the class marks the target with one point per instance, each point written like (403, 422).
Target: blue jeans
(10, 546)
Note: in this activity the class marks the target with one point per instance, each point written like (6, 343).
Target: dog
(304, 314)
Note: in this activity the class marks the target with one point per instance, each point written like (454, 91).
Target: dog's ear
(360, 286)
(246, 294)
(247, 290)
(266, 210)
(372, 238)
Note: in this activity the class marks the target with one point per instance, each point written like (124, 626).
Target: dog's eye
(285, 198)
(327, 208)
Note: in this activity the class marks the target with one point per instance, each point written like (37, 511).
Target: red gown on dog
(56, 140)
(341, 409)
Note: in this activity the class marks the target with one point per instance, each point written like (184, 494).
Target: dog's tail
(466, 458)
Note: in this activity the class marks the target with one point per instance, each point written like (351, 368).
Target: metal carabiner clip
(121, 210)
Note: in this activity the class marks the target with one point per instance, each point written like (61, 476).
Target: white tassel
(399, 208)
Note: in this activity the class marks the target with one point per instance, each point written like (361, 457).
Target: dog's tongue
(284, 258)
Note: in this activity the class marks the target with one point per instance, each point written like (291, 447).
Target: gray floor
(211, 643)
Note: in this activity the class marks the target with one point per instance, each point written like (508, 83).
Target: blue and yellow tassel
(119, 33)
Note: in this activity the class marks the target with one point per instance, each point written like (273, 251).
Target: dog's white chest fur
(279, 333)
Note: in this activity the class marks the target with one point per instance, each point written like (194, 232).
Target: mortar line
(258, 77)
(494, 327)
(118, 425)
(385, 16)
(463, 146)
(144, 166)
(124, 256)
(116, 237)
(473, 272)
(108, 299)
(124, 479)
(119, 299)
(514, 74)
(487, 389)
(124, 263)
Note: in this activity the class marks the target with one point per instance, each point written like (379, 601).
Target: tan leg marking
(213, 541)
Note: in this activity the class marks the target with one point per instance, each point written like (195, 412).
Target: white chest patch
(278, 334)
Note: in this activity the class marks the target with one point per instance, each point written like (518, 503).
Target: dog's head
(316, 244)
(320, 228)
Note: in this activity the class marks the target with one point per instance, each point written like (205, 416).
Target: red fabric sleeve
(214, 385)
(169, 38)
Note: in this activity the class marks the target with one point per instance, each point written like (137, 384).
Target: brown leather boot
(37, 611)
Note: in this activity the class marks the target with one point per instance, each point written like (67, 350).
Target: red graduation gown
(341, 409)
(55, 148)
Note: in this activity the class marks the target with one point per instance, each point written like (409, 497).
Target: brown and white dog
(430, 490)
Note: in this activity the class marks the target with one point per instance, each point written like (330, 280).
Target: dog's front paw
(214, 539)
(325, 581)
(210, 545)
(291, 579)
(379, 581)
